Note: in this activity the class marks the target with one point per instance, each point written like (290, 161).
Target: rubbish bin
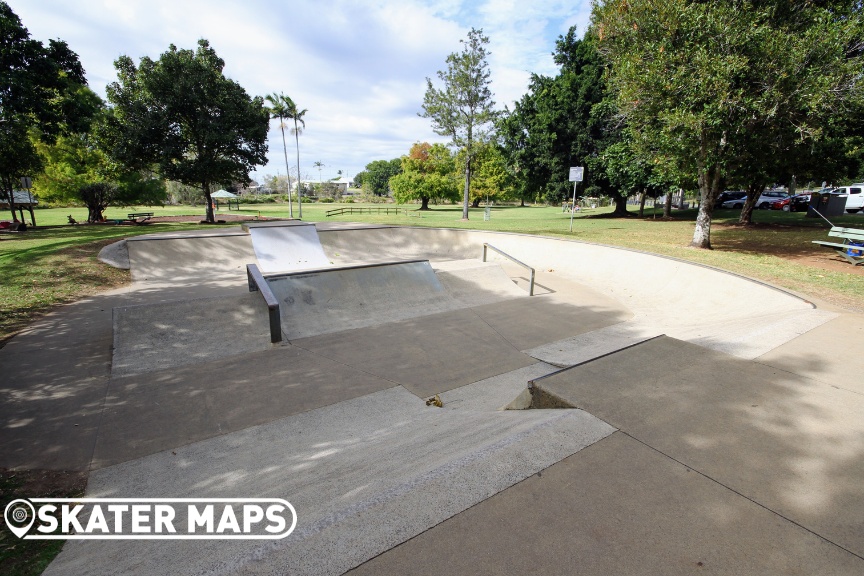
(827, 204)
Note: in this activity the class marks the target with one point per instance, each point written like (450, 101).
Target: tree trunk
(522, 200)
(209, 200)
(466, 196)
(10, 195)
(667, 206)
(709, 183)
(424, 203)
(475, 203)
(299, 189)
(287, 171)
(620, 204)
(642, 203)
(753, 192)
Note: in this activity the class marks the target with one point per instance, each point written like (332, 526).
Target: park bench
(139, 217)
(852, 247)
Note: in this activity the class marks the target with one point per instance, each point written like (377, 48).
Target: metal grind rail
(512, 259)
(257, 283)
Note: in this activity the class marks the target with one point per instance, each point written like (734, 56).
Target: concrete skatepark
(665, 417)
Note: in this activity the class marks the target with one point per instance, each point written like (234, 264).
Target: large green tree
(181, 114)
(376, 177)
(463, 109)
(38, 84)
(696, 80)
(75, 169)
(427, 174)
(563, 121)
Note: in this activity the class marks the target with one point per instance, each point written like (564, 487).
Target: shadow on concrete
(789, 443)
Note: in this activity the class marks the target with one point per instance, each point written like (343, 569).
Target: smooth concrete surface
(475, 283)
(788, 442)
(539, 320)
(53, 380)
(674, 297)
(158, 411)
(427, 355)
(827, 354)
(332, 300)
(116, 255)
(616, 507)
(176, 258)
(154, 337)
(363, 475)
(287, 247)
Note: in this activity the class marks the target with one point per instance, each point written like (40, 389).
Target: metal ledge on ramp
(318, 302)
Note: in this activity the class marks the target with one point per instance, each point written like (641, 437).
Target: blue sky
(359, 67)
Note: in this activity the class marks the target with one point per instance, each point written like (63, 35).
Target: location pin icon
(20, 516)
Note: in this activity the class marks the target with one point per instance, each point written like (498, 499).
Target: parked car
(854, 196)
(797, 203)
(764, 201)
(729, 195)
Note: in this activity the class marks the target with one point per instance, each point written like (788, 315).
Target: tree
(281, 107)
(491, 177)
(377, 176)
(463, 109)
(37, 95)
(77, 170)
(320, 166)
(565, 121)
(695, 79)
(181, 114)
(295, 114)
(427, 174)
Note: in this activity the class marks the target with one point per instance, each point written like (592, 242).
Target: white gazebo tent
(225, 195)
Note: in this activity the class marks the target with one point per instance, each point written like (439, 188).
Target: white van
(854, 196)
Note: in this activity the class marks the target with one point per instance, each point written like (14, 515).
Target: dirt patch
(791, 243)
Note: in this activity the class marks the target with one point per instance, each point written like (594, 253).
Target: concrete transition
(678, 418)
(284, 247)
(324, 301)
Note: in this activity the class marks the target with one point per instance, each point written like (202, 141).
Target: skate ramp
(331, 300)
(177, 258)
(475, 283)
(285, 247)
(692, 302)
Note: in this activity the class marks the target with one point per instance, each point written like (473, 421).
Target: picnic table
(139, 217)
(852, 247)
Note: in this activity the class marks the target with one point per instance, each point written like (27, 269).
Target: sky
(359, 67)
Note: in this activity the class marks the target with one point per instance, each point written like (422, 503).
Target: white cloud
(359, 67)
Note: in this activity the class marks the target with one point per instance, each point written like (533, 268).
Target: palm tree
(279, 109)
(320, 166)
(297, 116)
